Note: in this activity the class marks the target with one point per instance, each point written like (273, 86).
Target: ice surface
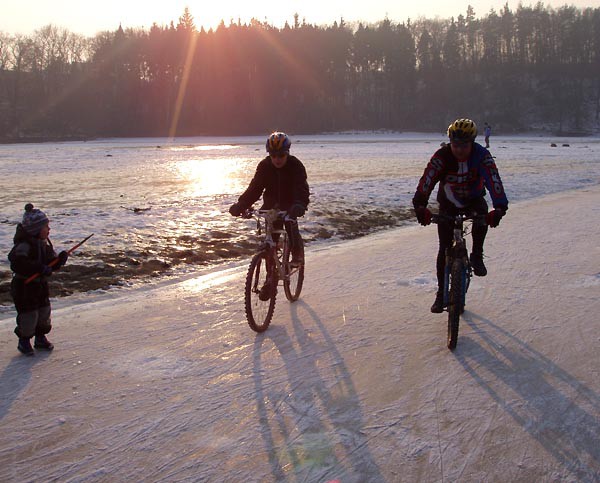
(352, 383)
(360, 183)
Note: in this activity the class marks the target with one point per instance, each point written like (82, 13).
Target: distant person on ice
(487, 132)
(30, 255)
(464, 169)
(281, 180)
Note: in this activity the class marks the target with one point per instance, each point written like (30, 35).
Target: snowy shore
(351, 383)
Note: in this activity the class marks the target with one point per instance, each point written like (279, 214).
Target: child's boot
(25, 346)
(42, 342)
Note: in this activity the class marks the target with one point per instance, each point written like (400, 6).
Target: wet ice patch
(425, 281)
(144, 365)
(587, 281)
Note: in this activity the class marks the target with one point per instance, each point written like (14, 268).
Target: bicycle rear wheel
(259, 312)
(294, 276)
(456, 300)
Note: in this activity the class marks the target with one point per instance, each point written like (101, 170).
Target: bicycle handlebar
(251, 212)
(437, 217)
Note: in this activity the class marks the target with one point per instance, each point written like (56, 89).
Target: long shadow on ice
(14, 379)
(560, 412)
(311, 421)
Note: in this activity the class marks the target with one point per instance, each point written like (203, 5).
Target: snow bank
(351, 383)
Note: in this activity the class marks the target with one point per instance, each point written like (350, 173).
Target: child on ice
(30, 255)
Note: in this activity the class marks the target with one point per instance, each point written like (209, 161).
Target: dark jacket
(279, 187)
(461, 183)
(29, 255)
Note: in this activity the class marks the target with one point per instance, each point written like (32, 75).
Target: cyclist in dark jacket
(464, 170)
(280, 179)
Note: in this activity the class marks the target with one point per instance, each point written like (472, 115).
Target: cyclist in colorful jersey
(464, 170)
(280, 179)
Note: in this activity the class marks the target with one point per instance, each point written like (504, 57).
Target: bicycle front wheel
(456, 300)
(260, 294)
(294, 276)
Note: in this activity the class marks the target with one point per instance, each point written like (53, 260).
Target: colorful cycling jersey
(461, 182)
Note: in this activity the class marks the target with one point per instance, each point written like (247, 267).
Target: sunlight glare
(198, 284)
(211, 176)
(223, 147)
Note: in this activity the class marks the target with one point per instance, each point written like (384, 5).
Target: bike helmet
(278, 143)
(462, 130)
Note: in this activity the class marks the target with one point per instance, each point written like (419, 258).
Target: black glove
(235, 209)
(423, 215)
(296, 210)
(493, 217)
(46, 270)
(62, 259)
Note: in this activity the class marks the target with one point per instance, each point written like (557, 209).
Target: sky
(90, 17)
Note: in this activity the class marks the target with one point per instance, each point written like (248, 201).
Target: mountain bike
(457, 271)
(270, 265)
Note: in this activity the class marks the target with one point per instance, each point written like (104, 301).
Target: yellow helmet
(278, 143)
(463, 130)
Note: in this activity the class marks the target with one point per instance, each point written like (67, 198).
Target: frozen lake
(159, 207)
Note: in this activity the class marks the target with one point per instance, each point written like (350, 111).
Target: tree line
(532, 68)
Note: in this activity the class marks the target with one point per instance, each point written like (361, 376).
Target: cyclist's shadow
(311, 422)
(560, 412)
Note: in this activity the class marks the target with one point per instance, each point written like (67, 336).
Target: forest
(535, 68)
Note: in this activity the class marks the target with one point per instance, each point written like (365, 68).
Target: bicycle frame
(270, 265)
(273, 249)
(457, 270)
(457, 250)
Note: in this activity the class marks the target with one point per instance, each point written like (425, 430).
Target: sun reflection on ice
(206, 147)
(198, 284)
(211, 176)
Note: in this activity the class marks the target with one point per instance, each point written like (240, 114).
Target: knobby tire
(456, 300)
(294, 276)
(259, 312)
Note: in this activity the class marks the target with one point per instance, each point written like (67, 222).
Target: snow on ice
(352, 383)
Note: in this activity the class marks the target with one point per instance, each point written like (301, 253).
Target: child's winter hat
(34, 220)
